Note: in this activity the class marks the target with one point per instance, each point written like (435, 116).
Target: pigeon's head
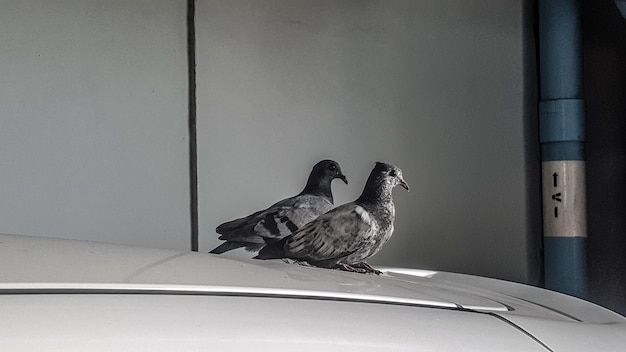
(329, 170)
(389, 174)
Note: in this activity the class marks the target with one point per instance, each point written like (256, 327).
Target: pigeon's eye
(392, 173)
(332, 167)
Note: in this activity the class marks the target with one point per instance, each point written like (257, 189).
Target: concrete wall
(93, 136)
(435, 87)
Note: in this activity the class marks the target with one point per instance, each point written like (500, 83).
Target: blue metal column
(562, 133)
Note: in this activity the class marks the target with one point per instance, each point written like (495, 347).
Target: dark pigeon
(286, 216)
(345, 236)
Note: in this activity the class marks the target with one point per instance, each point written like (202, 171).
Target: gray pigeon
(284, 217)
(345, 236)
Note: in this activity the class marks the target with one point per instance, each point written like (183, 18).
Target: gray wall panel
(436, 87)
(93, 142)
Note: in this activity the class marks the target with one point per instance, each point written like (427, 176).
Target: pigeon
(345, 236)
(285, 216)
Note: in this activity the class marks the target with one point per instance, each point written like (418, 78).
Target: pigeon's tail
(273, 250)
(227, 246)
(230, 245)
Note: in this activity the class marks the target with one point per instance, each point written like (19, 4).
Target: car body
(62, 295)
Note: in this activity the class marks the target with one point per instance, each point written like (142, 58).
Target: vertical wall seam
(193, 148)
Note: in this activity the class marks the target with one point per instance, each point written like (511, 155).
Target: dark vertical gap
(531, 143)
(193, 148)
(604, 54)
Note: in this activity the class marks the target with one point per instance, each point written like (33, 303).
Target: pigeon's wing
(334, 235)
(283, 219)
(277, 221)
(237, 224)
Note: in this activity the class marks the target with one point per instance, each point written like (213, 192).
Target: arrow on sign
(557, 197)
(555, 178)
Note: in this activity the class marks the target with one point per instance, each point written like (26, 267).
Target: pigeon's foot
(367, 268)
(294, 261)
(350, 268)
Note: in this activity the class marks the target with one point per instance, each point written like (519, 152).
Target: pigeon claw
(350, 268)
(360, 267)
(367, 268)
(302, 262)
(295, 261)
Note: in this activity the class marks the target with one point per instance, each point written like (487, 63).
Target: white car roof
(30, 262)
(49, 263)
(67, 269)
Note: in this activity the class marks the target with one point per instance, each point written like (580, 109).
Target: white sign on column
(564, 198)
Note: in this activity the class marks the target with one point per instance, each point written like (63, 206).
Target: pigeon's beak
(343, 178)
(403, 183)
